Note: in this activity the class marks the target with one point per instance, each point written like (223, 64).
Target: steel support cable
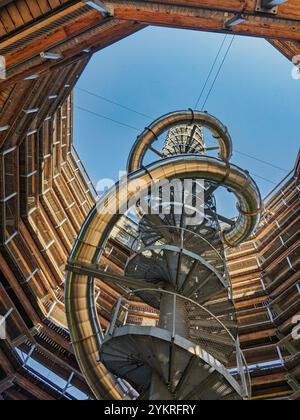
(145, 115)
(114, 103)
(196, 105)
(96, 114)
(138, 130)
(209, 93)
(107, 118)
(261, 161)
(218, 73)
(211, 71)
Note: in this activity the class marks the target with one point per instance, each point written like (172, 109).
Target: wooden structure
(265, 273)
(45, 192)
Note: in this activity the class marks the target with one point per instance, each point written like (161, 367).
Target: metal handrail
(90, 182)
(240, 354)
(223, 260)
(189, 231)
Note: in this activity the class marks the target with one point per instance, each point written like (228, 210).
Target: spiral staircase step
(138, 352)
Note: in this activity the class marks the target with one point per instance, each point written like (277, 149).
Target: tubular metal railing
(240, 372)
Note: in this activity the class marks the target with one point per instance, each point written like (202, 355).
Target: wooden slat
(39, 25)
(205, 20)
(47, 42)
(97, 39)
(17, 13)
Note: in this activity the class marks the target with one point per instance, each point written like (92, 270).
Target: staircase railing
(240, 372)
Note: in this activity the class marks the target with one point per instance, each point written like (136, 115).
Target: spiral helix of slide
(177, 265)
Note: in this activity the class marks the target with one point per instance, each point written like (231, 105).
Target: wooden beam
(15, 395)
(16, 317)
(207, 15)
(15, 285)
(288, 11)
(52, 38)
(269, 379)
(5, 364)
(15, 16)
(280, 26)
(96, 39)
(40, 24)
(288, 48)
(5, 2)
(6, 384)
(33, 388)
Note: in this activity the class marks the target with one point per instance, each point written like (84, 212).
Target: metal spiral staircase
(177, 266)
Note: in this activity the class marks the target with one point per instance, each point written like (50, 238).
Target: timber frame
(45, 192)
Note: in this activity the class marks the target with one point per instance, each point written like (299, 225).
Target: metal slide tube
(80, 305)
(86, 338)
(189, 117)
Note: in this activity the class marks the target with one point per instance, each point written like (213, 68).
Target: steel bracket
(262, 8)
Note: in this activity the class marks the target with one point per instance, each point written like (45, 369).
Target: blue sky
(160, 70)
